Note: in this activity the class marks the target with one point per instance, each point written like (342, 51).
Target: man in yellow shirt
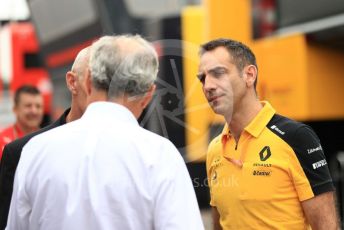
(265, 171)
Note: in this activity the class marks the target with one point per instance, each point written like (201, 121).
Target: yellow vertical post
(229, 18)
(196, 130)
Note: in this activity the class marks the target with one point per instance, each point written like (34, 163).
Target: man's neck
(73, 114)
(23, 129)
(242, 116)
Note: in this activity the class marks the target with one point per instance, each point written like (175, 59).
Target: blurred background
(299, 47)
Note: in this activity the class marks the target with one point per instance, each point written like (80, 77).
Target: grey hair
(123, 64)
(81, 61)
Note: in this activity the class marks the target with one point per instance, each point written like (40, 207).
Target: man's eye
(218, 73)
(201, 78)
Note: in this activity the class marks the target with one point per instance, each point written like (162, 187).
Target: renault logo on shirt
(265, 153)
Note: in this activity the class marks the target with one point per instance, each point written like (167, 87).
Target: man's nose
(35, 109)
(209, 83)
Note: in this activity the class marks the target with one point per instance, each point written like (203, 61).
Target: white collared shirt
(102, 171)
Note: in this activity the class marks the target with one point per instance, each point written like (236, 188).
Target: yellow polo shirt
(258, 183)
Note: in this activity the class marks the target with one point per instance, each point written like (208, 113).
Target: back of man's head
(123, 65)
(80, 63)
(75, 80)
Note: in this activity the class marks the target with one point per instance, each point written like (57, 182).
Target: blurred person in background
(28, 110)
(75, 81)
(104, 171)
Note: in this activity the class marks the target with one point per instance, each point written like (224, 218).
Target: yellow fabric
(259, 194)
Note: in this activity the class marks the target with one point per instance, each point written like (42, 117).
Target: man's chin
(223, 112)
(217, 110)
(33, 126)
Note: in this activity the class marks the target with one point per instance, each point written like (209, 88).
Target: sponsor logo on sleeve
(274, 127)
(319, 148)
(319, 164)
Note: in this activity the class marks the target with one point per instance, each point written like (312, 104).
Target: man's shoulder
(155, 145)
(6, 136)
(6, 131)
(214, 149)
(286, 128)
(288, 124)
(154, 138)
(52, 133)
(215, 143)
(296, 134)
(18, 144)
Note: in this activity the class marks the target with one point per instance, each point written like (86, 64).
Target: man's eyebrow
(201, 76)
(218, 68)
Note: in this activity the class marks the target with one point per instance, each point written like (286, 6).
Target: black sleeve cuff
(324, 187)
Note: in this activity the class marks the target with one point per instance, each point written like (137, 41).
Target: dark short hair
(240, 53)
(28, 89)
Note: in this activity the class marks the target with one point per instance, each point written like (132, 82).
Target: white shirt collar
(109, 110)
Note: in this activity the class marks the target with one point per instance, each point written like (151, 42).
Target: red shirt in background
(8, 135)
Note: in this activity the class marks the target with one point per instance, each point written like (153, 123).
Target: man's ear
(14, 109)
(250, 73)
(148, 96)
(71, 82)
(88, 82)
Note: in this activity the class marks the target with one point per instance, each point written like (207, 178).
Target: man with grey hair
(104, 171)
